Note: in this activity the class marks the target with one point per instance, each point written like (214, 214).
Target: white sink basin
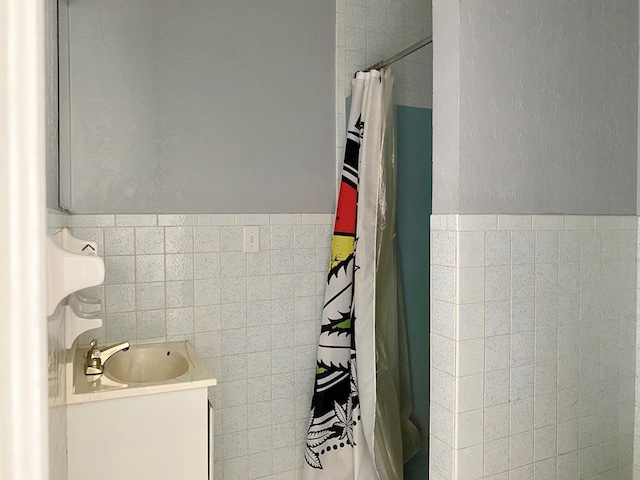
(146, 364)
(142, 370)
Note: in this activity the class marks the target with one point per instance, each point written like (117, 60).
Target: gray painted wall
(541, 106)
(202, 106)
(446, 106)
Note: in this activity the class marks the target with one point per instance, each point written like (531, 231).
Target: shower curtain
(359, 425)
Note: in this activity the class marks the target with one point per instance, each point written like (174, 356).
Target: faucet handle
(94, 351)
(93, 362)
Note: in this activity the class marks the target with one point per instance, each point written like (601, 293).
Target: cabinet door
(160, 436)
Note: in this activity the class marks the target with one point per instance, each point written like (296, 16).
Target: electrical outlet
(251, 239)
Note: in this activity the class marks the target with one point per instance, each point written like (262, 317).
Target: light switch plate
(251, 239)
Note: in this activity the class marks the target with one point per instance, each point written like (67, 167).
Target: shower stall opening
(413, 129)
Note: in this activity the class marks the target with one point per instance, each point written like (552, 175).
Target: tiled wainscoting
(533, 328)
(252, 316)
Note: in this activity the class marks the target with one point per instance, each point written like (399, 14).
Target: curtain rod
(402, 54)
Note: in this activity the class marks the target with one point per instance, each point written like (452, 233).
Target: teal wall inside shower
(414, 146)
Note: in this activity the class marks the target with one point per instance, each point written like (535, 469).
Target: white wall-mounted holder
(77, 323)
(72, 265)
(84, 305)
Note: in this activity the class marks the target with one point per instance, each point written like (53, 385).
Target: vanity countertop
(83, 388)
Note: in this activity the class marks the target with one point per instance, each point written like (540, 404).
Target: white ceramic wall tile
(496, 356)
(438, 222)
(150, 268)
(496, 387)
(282, 236)
(442, 423)
(442, 248)
(177, 220)
(179, 266)
(469, 288)
(496, 318)
(149, 240)
(282, 261)
(514, 222)
(497, 283)
(318, 218)
(470, 249)
(178, 239)
(259, 263)
(443, 355)
(120, 298)
(206, 265)
(304, 260)
(469, 321)
(546, 279)
(478, 222)
(118, 241)
(136, 220)
(151, 324)
(522, 247)
(546, 250)
(120, 326)
(206, 239)
(441, 457)
(233, 264)
(522, 349)
(522, 314)
(548, 222)
(119, 270)
(495, 460)
(150, 296)
(442, 319)
(580, 222)
(443, 283)
(469, 393)
(469, 429)
(179, 321)
(93, 221)
(452, 222)
(497, 248)
(520, 452)
(568, 246)
(470, 357)
(216, 219)
(285, 218)
(521, 416)
(496, 422)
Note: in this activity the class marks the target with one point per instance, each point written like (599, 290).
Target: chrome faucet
(96, 358)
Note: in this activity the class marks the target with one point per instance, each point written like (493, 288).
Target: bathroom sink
(146, 364)
(144, 369)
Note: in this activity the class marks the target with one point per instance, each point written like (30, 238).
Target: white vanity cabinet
(164, 436)
(152, 429)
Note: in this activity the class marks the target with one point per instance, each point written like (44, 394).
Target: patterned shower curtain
(340, 439)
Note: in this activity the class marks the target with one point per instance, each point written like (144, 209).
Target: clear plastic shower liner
(396, 438)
